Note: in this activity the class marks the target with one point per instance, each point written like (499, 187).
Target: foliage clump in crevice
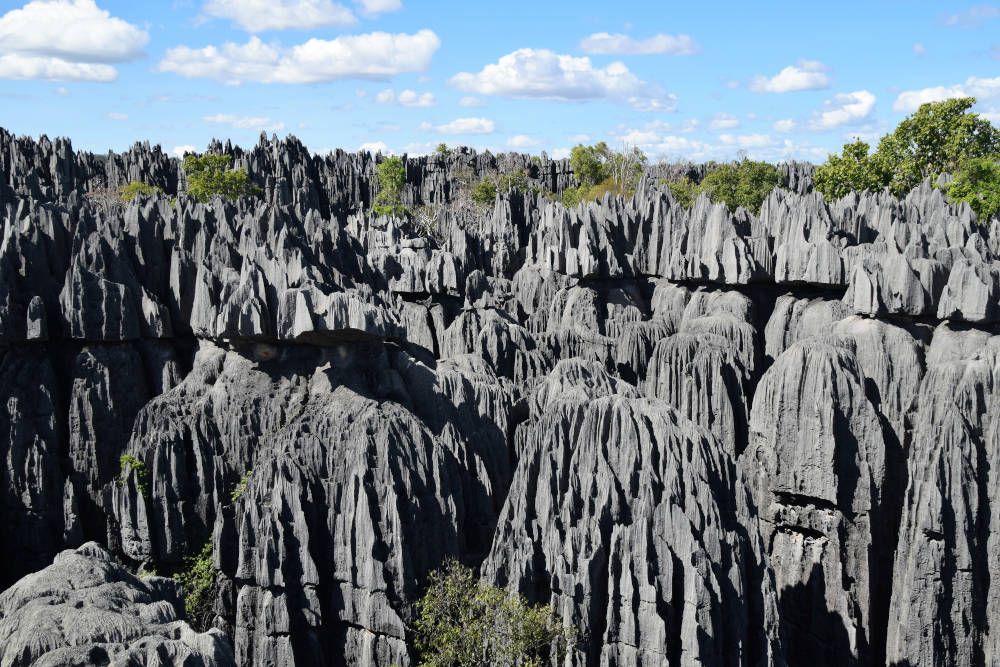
(391, 173)
(745, 183)
(128, 463)
(241, 486)
(464, 621)
(198, 584)
(212, 175)
(138, 189)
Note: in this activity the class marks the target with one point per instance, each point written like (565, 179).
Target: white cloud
(605, 44)
(261, 15)
(244, 122)
(745, 140)
(919, 48)
(469, 102)
(784, 125)
(981, 89)
(973, 16)
(724, 121)
(117, 115)
(842, 109)
(376, 7)
(522, 141)
(992, 115)
(462, 126)
(407, 98)
(374, 147)
(180, 151)
(544, 74)
(807, 75)
(560, 153)
(66, 40)
(376, 55)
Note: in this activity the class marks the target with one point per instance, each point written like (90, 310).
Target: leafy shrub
(463, 621)
(684, 190)
(939, 137)
(485, 192)
(745, 183)
(136, 189)
(601, 170)
(211, 175)
(241, 487)
(198, 583)
(977, 183)
(128, 463)
(853, 169)
(590, 163)
(441, 149)
(391, 174)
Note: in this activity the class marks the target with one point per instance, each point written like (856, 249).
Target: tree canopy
(745, 183)
(463, 621)
(391, 174)
(940, 137)
(210, 175)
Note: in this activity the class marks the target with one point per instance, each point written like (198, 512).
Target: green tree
(137, 189)
(590, 163)
(977, 183)
(939, 137)
(442, 148)
(746, 183)
(852, 169)
(198, 584)
(485, 192)
(210, 175)
(463, 621)
(391, 174)
(684, 190)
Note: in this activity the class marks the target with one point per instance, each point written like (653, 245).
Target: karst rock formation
(705, 437)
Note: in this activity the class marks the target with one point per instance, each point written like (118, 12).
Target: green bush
(391, 174)
(590, 163)
(128, 463)
(977, 183)
(241, 487)
(137, 188)
(441, 149)
(601, 170)
(745, 183)
(940, 137)
(463, 621)
(198, 583)
(211, 175)
(485, 192)
(684, 190)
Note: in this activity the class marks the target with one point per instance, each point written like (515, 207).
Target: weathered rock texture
(703, 436)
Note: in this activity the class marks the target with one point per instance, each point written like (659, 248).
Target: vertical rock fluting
(703, 436)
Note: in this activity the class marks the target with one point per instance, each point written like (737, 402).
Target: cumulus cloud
(66, 40)
(973, 16)
(522, 141)
(784, 125)
(544, 74)
(244, 122)
(462, 126)
(181, 151)
(407, 98)
(910, 100)
(844, 108)
(376, 7)
(607, 44)
(806, 75)
(724, 121)
(377, 55)
(261, 15)
(374, 147)
(745, 140)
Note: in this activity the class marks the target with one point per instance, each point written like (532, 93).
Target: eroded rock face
(86, 609)
(703, 436)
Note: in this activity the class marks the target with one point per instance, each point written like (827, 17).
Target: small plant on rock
(138, 189)
(128, 463)
(241, 487)
(198, 584)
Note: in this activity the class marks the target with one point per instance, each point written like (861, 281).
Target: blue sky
(682, 80)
